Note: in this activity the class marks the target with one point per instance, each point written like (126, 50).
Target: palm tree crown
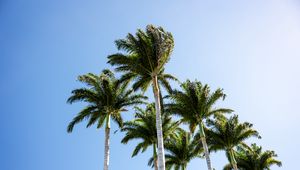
(181, 151)
(253, 158)
(195, 103)
(225, 134)
(105, 96)
(145, 55)
(144, 127)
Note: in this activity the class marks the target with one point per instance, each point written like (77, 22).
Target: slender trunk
(107, 138)
(234, 165)
(232, 159)
(160, 141)
(155, 157)
(206, 152)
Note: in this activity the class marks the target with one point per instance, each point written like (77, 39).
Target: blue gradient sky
(249, 48)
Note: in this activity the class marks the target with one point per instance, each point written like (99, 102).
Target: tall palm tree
(181, 151)
(143, 127)
(195, 103)
(226, 134)
(106, 99)
(142, 62)
(253, 158)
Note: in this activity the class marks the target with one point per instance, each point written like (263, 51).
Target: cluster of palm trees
(141, 60)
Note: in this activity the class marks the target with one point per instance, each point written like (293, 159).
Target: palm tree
(143, 127)
(195, 104)
(181, 151)
(106, 99)
(226, 134)
(142, 62)
(253, 158)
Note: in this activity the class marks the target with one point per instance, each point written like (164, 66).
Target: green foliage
(181, 151)
(104, 96)
(143, 127)
(144, 57)
(225, 134)
(141, 59)
(195, 103)
(253, 158)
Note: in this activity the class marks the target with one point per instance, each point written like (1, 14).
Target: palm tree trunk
(234, 165)
(160, 141)
(204, 144)
(232, 159)
(155, 157)
(107, 138)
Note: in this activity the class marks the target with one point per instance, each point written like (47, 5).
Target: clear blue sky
(249, 48)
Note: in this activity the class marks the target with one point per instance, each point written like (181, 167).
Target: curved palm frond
(195, 103)
(143, 128)
(181, 151)
(145, 55)
(253, 158)
(225, 134)
(105, 96)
